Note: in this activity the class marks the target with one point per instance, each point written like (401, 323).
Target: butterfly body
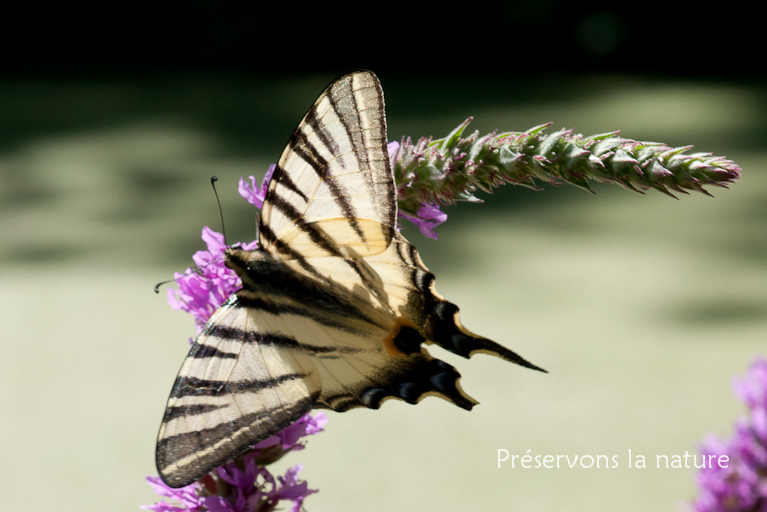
(336, 306)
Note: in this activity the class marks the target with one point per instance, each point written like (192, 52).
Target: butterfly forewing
(235, 386)
(332, 193)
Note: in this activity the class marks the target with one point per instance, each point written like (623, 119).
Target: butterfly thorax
(266, 274)
(249, 265)
(267, 279)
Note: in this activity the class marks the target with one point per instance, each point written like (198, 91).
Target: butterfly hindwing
(402, 291)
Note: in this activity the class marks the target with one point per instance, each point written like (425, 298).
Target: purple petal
(291, 488)
(162, 506)
(232, 475)
(161, 488)
(315, 424)
(426, 219)
(251, 193)
(393, 149)
(752, 388)
(267, 178)
(252, 471)
(304, 426)
(214, 240)
(268, 442)
(172, 300)
(217, 504)
(186, 495)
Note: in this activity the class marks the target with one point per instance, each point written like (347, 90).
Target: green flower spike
(444, 171)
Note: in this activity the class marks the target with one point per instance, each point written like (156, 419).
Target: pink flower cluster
(245, 485)
(742, 485)
(203, 289)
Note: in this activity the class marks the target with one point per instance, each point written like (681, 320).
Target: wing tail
(447, 331)
(410, 290)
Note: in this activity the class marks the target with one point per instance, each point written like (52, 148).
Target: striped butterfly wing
(335, 305)
(332, 193)
(234, 389)
(330, 215)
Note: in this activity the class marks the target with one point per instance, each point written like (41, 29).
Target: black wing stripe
(269, 238)
(325, 138)
(357, 135)
(224, 429)
(283, 178)
(316, 236)
(201, 351)
(275, 340)
(301, 146)
(194, 386)
(309, 153)
(340, 320)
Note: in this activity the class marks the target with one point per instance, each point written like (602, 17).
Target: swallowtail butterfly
(335, 306)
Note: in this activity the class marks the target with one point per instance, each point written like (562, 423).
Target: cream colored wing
(239, 384)
(332, 192)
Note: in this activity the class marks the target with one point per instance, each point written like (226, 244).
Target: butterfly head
(246, 263)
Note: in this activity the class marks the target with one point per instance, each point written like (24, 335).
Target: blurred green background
(641, 307)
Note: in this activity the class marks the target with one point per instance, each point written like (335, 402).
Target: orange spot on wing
(389, 346)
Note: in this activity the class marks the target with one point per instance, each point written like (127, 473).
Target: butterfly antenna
(158, 285)
(213, 180)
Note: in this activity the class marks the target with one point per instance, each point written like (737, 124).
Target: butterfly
(336, 306)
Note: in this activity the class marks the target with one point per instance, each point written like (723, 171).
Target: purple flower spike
(753, 388)
(254, 489)
(741, 486)
(203, 289)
